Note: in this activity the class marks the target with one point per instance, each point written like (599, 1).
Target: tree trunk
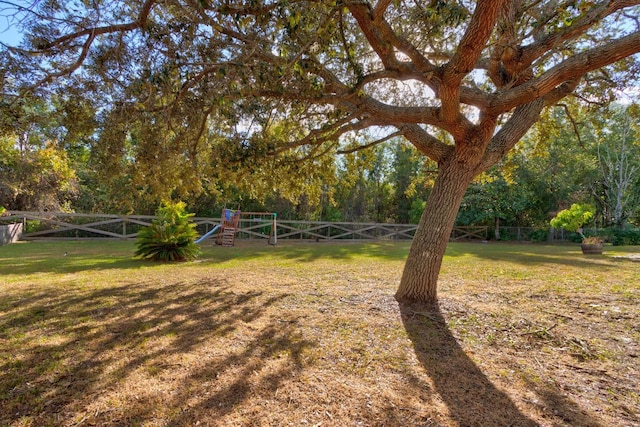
(420, 275)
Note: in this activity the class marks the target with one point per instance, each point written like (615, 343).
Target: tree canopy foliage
(193, 94)
(574, 218)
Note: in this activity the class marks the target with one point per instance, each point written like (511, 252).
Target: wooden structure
(228, 228)
(256, 224)
(246, 225)
(322, 230)
(469, 233)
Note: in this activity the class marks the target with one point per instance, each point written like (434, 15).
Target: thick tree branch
(418, 59)
(466, 56)
(419, 67)
(595, 14)
(426, 143)
(518, 124)
(380, 9)
(512, 64)
(473, 42)
(521, 121)
(401, 115)
(560, 92)
(570, 69)
(363, 14)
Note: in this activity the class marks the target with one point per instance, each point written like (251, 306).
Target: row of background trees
(58, 156)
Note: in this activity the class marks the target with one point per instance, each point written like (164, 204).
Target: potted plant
(573, 219)
(592, 245)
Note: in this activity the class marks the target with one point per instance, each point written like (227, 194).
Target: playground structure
(229, 224)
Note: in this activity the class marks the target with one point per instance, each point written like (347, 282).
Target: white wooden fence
(58, 225)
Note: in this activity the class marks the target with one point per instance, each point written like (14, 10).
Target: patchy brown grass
(310, 335)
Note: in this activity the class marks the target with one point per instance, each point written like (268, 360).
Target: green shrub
(624, 237)
(170, 237)
(506, 235)
(539, 235)
(33, 225)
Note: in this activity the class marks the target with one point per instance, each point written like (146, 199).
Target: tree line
(51, 159)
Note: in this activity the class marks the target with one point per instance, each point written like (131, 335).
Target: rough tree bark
(420, 276)
(456, 171)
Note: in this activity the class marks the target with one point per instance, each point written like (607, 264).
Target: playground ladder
(227, 234)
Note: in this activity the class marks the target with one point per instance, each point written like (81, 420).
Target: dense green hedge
(624, 237)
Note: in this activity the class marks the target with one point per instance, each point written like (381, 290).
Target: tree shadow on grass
(471, 398)
(253, 373)
(71, 263)
(64, 351)
(562, 406)
(305, 251)
(469, 395)
(530, 254)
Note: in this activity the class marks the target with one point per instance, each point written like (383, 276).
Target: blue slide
(208, 234)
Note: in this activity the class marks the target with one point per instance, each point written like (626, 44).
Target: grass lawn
(308, 334)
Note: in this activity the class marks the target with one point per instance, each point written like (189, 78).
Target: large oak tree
(295, 80)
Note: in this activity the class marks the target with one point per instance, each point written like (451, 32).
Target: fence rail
(50, 225)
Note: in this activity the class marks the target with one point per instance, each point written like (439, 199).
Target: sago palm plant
(171, 235)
